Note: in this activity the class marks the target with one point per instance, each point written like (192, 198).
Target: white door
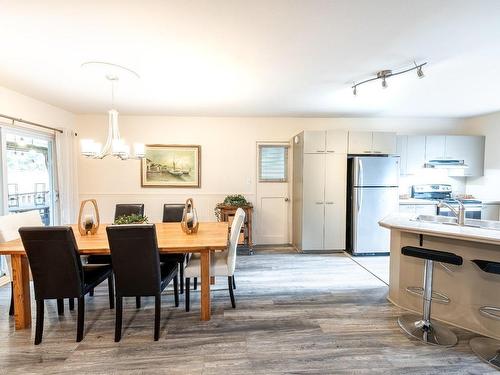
(360, 142)
(336, 141)
(384, 143)
(415, 156)
(335, 201)
(272, 204)
(313, 202)
(434, 147)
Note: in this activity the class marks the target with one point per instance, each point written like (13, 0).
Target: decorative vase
(87, 224)
(189, 223)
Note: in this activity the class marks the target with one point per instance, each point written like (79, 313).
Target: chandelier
(114, 145)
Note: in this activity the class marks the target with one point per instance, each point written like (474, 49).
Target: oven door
(471, 212)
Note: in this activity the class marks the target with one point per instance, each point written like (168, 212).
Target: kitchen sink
(484, 224)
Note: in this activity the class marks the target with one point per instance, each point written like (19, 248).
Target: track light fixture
(384, 74)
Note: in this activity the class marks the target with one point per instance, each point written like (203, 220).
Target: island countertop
(408, 223)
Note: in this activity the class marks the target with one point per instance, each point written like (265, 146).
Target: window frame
(261, 146)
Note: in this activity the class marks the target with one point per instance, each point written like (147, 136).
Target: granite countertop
(417, 201)
(407, 223)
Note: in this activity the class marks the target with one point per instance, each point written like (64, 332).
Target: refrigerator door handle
(360, 172)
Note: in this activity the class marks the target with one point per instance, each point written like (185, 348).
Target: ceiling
(256, 58)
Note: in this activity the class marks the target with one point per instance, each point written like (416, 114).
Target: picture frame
(171, 166)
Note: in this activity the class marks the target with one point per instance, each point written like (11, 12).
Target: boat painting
(171, 166)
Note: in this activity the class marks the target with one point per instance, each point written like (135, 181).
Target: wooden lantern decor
(189, 223)
(88, 224)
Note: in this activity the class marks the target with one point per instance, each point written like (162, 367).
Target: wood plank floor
(296, 314)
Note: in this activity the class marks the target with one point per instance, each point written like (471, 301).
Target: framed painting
(171, 166)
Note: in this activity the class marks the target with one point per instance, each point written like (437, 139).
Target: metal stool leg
(487, 349)
(422, 328)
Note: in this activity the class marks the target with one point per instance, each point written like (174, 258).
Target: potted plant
(231, 201)
(131, 219)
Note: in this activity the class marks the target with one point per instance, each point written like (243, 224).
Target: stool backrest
(135, 259)
(172, 213)
(234, 236)
(54, 260)
(129, 209)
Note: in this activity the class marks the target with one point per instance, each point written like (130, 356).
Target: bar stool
(486, 348)
(422, 328)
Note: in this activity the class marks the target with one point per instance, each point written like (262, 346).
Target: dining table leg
(205, 285)
(21, 285)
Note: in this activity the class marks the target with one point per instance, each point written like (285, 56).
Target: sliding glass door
(28, 173)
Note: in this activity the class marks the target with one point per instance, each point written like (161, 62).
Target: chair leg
(40, 304)
(118, 319)
(157, 316)
(111, 292)
(195, 283)
(71, 304)
(234, 283)
(231, 294)
(176, 291)
(138, 302)
(91, 293)
(60, 306)
(181, 276)
(11, 308)
(186, 297)
(80, 319)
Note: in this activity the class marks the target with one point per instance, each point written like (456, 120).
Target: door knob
(286, 199)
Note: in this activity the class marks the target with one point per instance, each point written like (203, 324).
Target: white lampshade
(87, 147)
(139, 150)
(117, 146)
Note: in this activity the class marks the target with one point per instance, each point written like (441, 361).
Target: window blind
(273, 163)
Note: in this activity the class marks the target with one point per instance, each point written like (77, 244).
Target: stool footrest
(436, 296)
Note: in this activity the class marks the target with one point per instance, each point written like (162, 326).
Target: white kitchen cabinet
(313, 201)
(360, 142)
(314, 141)
(319, 195)
(470, 149)
(336, 141)
(435, 147)
(402, 151)
(335, 201)
(372, 143)
(384, 143)
(415, 153)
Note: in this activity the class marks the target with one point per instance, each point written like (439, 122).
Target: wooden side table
(227, 214)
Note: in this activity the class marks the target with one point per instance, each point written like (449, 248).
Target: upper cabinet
(372, 143)
(417, 150)
(320, 141)
(470, 149)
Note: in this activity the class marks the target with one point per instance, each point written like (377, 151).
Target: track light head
(384, 83)
(354, 91)
(420, 73)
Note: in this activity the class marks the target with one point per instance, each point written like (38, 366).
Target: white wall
(487, 187)
(228, 154)
(18, 105)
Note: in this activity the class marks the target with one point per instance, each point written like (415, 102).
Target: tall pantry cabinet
(319, 190)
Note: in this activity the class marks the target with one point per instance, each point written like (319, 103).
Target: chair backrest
(234, 236)
(9, 229)
(129, 209)
(172, 213)
(10, 224)
(135, 259)
(54, 260)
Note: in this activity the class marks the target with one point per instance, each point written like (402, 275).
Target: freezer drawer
(369, 206)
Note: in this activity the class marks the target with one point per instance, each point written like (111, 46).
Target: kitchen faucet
(459, 213)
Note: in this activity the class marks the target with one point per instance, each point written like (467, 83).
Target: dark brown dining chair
(172, 213)
(58, 272)
(121, 209)
(138, 270)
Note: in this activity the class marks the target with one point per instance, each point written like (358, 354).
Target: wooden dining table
(211, 236)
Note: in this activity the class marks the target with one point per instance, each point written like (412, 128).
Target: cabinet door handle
(319, 202)
(329, 202)
(330, 151)
(377, 152)
(320, 150)
(367, 152)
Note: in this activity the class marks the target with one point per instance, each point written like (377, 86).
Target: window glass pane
(273, 163)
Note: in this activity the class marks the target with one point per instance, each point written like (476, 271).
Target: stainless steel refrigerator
(373, 193)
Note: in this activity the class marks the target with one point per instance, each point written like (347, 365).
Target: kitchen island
(458, 291)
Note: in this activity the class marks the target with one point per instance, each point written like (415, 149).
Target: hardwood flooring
(295, 314)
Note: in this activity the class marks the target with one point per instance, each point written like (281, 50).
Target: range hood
(446, 164)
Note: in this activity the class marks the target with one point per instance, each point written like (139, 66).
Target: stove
(443, 192)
